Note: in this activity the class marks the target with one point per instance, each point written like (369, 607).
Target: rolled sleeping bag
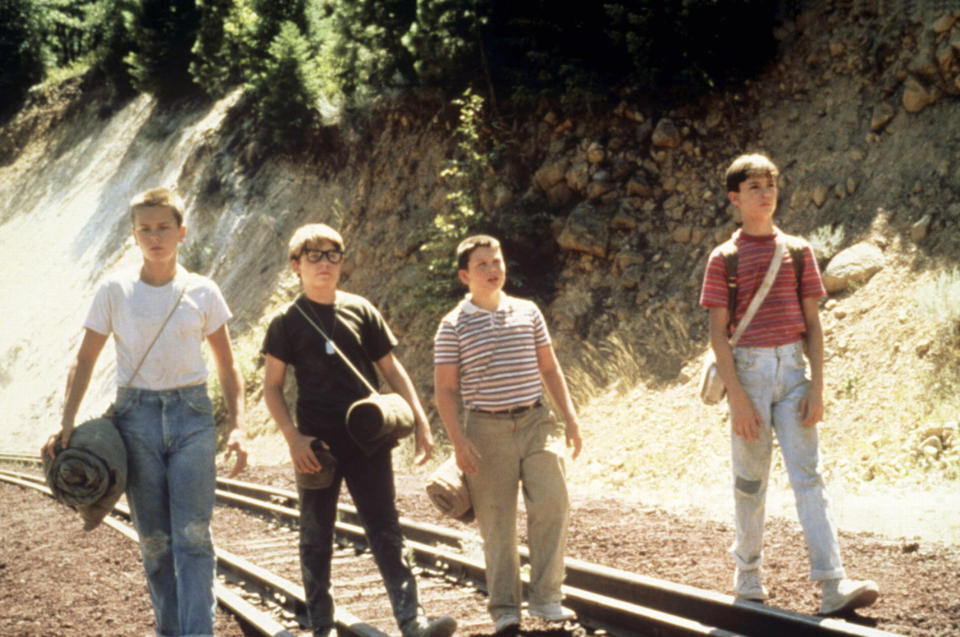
(447, 489)
(89, 475)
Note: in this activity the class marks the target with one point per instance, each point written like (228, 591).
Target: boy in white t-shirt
(160, 315)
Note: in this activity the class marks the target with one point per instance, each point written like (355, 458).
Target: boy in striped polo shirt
(493, 352)
(768, 389)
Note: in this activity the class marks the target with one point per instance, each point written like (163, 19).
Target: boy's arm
(396, 376)
(811, 409)
(446, 382)
(556, 386)
(744, 418)
(78, 379)
(303, 457)
(231, 382)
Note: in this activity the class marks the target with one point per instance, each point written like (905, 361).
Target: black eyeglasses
(316, 256)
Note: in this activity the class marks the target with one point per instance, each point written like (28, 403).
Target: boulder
(856, 264)
(585, 230)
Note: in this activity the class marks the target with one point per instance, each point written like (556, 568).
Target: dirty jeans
(370, 482)
(171, 450)
(525, 449)
(774, 379)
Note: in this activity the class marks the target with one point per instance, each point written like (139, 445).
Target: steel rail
(603, 596)
(267, 584)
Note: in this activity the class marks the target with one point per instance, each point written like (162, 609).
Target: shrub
(164, 34)
(22, 50)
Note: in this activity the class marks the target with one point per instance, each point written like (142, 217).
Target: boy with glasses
(326, 387)
(493, 353)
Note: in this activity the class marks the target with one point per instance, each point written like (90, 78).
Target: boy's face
(486, 272)
(156, 231)
(756, 198)
(315, 268)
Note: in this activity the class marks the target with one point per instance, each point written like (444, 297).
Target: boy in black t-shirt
(325, 389)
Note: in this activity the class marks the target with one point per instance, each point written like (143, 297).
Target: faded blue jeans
(171, 450)
(370, 482)
(775, 379)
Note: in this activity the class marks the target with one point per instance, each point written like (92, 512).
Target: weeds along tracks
(621, 603)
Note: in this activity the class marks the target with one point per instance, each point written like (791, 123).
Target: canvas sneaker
(748, 587)
(442, 626)
(507, 622)
(844, 595)
(552, 612)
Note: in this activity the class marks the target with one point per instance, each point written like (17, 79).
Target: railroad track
(606, 599)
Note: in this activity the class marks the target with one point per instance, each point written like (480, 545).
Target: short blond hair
(746, 166)
(312, 233)
(157, 197)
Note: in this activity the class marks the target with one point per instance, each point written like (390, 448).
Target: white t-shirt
(133, 312)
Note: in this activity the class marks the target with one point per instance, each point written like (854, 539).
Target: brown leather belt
(509, 412)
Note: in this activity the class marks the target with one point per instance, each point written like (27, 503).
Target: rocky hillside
(613, 214)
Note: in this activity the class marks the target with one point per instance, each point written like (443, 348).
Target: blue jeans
(775, 379)
(171, 450)
(370, 482)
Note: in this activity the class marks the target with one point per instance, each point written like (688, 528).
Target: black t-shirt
(326, 387)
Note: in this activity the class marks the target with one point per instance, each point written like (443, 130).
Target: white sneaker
(552, 612)
(507, 621)
(748, 586)
(843, 595)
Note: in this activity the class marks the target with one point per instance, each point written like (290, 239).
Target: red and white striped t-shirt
(496, 352)
(779, 321)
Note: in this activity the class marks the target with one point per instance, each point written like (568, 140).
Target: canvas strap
(761, 294)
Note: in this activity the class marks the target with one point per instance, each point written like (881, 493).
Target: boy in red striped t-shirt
(768, 388)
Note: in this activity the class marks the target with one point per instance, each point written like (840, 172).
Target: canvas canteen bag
(712, 389)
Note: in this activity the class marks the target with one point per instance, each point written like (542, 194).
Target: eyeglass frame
(323, 254)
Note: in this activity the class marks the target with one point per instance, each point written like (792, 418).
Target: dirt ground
(57, 580)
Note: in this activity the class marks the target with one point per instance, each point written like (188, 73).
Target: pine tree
(22, 50)
(164, 32)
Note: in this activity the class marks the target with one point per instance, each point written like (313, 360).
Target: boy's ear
(295, 265)
(734, 197)
(464, 277)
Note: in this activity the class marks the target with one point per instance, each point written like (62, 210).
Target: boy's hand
(304, 460)
(467, 457)
(573, 439)
(745, 419)
(424, 443)
(236, 446)
(57, 442)
(811, 407)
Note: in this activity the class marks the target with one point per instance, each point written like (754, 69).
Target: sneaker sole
(865, 598)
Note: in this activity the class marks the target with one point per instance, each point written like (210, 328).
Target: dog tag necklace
(328, 340)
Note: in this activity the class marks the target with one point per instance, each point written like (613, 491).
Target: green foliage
(66, 28)
(692, 45)
(219, 50)
(287, 91)
(463, 175)
(112, 37)
(22, 50)
(368, 43)
(164, 32)
(445, 40)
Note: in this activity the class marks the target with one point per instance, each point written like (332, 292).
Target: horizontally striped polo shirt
(495, 351)
(779, 321)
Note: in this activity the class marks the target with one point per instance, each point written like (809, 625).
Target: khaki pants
(527, 449)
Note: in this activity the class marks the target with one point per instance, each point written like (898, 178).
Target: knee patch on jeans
(750, 487)
(197, 535)
(154, 547)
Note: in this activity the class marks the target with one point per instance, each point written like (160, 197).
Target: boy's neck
(758, 227)
(323, 296)
(158, 274)
(489, 301)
